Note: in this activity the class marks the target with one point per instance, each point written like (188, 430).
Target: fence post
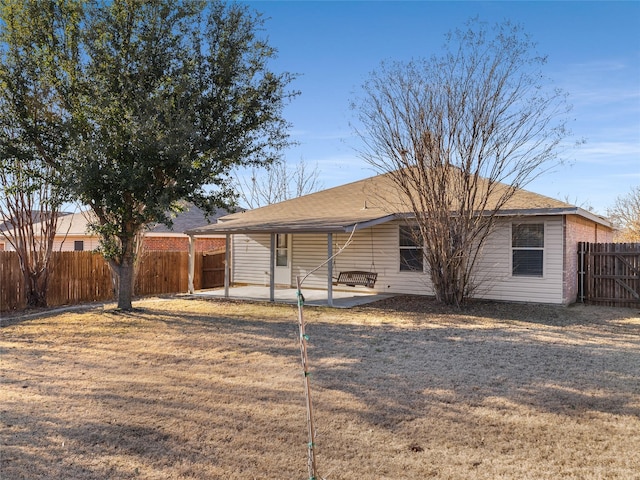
(227, 264)
(581, 270)
(192, 263)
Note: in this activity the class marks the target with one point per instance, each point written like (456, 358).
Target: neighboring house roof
(75, 224)
(191, 217)
(359, 205)
(6, 226)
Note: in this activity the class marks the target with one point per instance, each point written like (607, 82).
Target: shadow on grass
(562, 371)
(193, 408)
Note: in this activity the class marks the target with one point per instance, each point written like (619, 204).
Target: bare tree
(29, 212)
(625, 215)
(459, 134)
(277, 183)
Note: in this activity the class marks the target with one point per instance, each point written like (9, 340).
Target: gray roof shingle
(358, 205)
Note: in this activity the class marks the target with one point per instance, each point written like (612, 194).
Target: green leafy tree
(162, 99)
(460, 133)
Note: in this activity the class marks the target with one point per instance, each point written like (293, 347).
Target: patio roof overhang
(345, 224)
(306, 225)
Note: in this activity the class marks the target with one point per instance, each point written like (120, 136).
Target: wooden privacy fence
(78, 277)
(11, 283)
(213, 269)
(166, 272)
(81, 277)
(609, 274)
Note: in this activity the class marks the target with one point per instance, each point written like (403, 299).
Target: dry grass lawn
(195, 389)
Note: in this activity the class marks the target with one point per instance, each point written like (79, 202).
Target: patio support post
(330, 270)
(192, 263)
(227, 264)
(272, 273)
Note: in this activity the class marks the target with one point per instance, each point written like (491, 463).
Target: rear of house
(508, 269)
(530, 256)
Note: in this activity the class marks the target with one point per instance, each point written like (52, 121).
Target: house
(161, 237)
(3, 241)
(273, 245)
(73, 233)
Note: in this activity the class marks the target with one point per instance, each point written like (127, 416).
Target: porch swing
(364, 278)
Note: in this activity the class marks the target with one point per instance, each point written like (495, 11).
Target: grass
(193, 389)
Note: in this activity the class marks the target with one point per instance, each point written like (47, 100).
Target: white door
(282, 268)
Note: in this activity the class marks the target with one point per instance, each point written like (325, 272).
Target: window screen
(527, 242)
(411, 250)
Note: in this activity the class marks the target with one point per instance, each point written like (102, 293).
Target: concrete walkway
(341, 298)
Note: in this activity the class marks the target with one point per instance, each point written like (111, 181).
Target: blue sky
(593, 53)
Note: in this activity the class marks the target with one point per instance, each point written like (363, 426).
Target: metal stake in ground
(311, 460)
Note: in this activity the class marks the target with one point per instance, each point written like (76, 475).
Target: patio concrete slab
(341, 298)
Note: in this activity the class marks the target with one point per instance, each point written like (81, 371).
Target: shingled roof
(190, 217)
(359, 205)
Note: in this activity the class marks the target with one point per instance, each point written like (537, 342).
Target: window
(411, 249)
(282, 250)
(78, 245)
(527, 244)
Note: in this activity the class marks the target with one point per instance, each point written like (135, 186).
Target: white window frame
(282, 250)
(528, 248)
(417, 248)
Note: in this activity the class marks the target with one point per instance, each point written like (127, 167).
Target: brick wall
(181, 244)
(578, 229)
(209, 244)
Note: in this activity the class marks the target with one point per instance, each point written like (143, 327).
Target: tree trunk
(448, 284)
(124, 275)
(125, 286)
(36, 288)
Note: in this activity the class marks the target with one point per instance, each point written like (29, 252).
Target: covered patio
(316, 297)
(307, 215)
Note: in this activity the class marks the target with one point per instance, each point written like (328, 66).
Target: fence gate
(213, 269)
(609, 274)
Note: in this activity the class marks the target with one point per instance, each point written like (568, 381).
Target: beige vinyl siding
(493, 270)
(250, 259)
(310, 250)
(62, 244)
(391, 279)
(67, 244)
(492, 273)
